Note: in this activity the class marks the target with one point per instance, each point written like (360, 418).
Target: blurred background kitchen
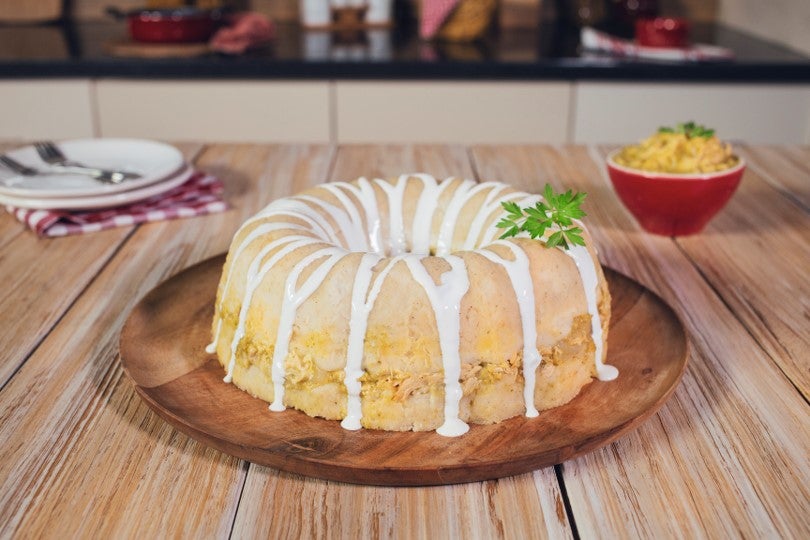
(377, 71)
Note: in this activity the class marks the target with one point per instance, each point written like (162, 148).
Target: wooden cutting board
(163, 351)
(133, 49)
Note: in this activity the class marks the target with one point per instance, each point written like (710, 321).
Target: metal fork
(24, 170)
(53, 156)
(17, 167)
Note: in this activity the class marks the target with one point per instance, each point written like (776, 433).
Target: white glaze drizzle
(491, 203)
(254, 277)
(349, 229)
(362, 304)
(294, 296)
(255, 234)
(445, 298)
(365, 194)
(492, 233)
(424, 212)
(396, 223)
(448, 225)
(590, 282)
(299, 209)
(520, 276)
(352, 210)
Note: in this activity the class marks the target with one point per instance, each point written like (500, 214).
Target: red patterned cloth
(245, 31)
(200, 195)
(434, 13)
(595, 40)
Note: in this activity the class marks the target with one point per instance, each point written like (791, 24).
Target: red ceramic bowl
(662, 32)
(181, 25)
(673, 204)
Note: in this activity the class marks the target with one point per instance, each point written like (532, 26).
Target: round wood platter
(163, 351)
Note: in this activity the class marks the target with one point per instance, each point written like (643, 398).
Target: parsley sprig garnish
(555, 213)
(690, 129)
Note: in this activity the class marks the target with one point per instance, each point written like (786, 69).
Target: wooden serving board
(134, 49)
(163, 351)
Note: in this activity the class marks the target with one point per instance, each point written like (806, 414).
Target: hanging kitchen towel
(201, 194)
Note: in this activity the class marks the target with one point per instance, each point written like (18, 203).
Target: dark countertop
(550, 53)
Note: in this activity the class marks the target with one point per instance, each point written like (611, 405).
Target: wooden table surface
(727, 456)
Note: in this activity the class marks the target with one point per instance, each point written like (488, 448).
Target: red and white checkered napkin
(200, 195)
(595, 40)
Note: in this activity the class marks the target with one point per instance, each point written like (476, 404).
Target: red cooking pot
(174, 25)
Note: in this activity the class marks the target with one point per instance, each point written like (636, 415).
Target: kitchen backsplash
(287, 10)
(782, 21)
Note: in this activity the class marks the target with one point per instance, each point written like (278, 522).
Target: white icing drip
(466, 191)
(293, 297)
(254, 278)
(423, 215)
(352, 231)
(445, 299)
(362, 304)
(587, 272)
(255, 234)
(301, 210)
(491, 203)
(493, 232)
(396, 222)
(337, 189)
(520, 276)
(365, 194)
(590, 282)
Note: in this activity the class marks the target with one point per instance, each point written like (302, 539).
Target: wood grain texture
(728, 454)
(163, 351)
(412, 511)
(525, 506)
(774, 302)
(784, 167)
(43, 277)
(71, 425)
(81, 455)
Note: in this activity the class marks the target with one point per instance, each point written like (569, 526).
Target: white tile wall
(383, 112)
(455, 112)
(228, 111)
(626, 112)
(54, 109)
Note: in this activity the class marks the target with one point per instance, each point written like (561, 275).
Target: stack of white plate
(161, 166)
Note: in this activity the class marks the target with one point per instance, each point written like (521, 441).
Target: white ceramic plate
(155, 161)
(98, 201)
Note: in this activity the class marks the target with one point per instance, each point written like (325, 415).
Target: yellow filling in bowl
(679, 153)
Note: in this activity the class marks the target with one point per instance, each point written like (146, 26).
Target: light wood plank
(727, 455)
(772, 299)
(44, 277)
(764, 221)
(524, 506)
(787, 168)
(81, 454)
(9, 227)
(384, 161)
(276, 505)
